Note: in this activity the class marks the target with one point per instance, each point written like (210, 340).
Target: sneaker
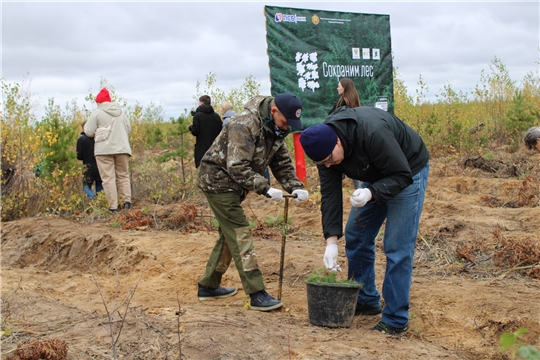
(390, 330)
(113, 210)
(367, 310)
(263, 302)
(206, 293)
(127, 205)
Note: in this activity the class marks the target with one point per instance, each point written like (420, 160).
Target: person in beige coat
(113, 153)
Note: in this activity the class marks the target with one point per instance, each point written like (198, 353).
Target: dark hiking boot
(206, 293)
(367, 310)
(114, 211)
(390, 330)
(263, 302)
(127, 205)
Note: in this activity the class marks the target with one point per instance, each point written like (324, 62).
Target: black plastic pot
(331, 304)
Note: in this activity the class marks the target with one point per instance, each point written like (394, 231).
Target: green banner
(309, 51)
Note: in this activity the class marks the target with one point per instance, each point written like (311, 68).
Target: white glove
(274, 194)
(301, 195)
(360, 197)
(330, 257)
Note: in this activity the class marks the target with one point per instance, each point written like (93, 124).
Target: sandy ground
(61, 276)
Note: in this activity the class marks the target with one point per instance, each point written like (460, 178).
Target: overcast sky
(157, 51)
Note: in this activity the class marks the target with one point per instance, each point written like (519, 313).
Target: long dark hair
(350, 96)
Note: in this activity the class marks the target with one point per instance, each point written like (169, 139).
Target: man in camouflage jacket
(232, 167)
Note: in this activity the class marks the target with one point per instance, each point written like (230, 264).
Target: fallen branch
(178, 314)
(478, 328)
(298, 277)
(517, 268)
(115, 336)
(338, 335)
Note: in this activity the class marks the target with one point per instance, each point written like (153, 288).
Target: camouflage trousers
(235, 243)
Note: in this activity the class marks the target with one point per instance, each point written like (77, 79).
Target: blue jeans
(402, 215)
(88, 190)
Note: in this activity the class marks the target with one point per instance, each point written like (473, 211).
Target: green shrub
(40, 173)
(276, 222)
(510, 341)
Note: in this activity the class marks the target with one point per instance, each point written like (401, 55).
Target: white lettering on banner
(307, 70)
(367, 70)
(349, 71)
(332, 20)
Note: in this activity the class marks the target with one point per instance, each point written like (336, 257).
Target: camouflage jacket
(243, 150)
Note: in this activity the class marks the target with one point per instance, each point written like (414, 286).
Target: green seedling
(325, 276)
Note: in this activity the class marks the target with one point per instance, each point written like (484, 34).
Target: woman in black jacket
(348, 95)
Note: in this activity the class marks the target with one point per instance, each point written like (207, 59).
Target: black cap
(291, 107)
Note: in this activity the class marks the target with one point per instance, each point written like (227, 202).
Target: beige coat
(118, 140)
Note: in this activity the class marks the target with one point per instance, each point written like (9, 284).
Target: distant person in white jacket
(113, 153)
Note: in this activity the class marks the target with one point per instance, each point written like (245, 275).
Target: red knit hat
(103, 96)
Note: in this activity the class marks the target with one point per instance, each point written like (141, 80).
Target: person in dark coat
(392, 161)
(206, 127)
(85, 152)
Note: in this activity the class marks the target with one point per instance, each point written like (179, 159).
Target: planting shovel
(283, 239)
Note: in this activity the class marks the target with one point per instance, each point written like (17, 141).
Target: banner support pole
(300, 159)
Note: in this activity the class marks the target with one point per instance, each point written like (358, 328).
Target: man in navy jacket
(392, 162)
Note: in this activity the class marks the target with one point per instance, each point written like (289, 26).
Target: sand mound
(54, 244)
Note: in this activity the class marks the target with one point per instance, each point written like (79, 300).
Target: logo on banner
(307, 70)
(365, 53)
(279, 17)
(315, 19)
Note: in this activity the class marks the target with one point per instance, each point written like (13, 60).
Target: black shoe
(367, 310)
(390, 330)
(263, 302)
(113, 210)
(206, 293)
(127, 205)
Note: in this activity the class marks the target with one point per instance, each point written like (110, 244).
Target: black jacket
(206, 127)
(379, 149)
(85, 152)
